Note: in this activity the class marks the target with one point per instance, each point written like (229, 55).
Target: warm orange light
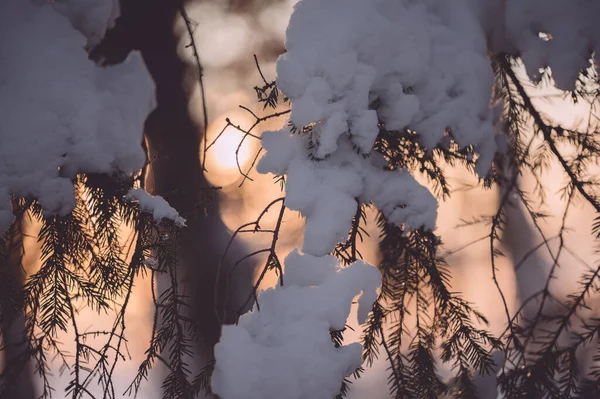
(230, 150)
(227, 152)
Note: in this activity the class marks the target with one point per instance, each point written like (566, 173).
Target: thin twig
(200, 70)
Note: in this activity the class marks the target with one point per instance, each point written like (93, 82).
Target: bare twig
(200, 69)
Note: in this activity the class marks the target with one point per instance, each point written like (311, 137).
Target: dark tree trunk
(13, 326)
(173, 143)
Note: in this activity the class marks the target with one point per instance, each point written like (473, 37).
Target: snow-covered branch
(60, 113)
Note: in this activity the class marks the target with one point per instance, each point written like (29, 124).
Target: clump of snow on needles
(90, 17)
(326, 191)
(285, 349)
(419, 65)
(60, 114)
(560, 34)
(156, 205)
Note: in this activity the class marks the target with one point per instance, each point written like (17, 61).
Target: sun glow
(229, 150)
(227, 153)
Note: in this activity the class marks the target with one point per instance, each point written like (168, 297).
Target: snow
(285, 350)
(344, 55)
(326, 191)
(573, 36)
(560, 34)
(425, 63)
(401, 199)
(91, 17)
(59, 113)
(156, 205)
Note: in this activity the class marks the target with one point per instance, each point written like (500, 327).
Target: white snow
(426, 63)
(59, 113)
(560, 34)
(285, 350)
(326, 191)
(90, 17)
(156, 205)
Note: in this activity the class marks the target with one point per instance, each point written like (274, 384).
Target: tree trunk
(13, 325)
(172, 141)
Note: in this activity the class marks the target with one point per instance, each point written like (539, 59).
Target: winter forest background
(376, 198)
